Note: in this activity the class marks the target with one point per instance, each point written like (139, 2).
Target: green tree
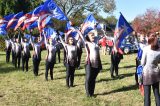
(74, 7)
(15, 6)
(111, 20)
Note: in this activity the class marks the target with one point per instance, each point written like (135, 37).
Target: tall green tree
(15, 6)
(72, 8)
(111, 20)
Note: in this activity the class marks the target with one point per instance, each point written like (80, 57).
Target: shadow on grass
(104, 70)
(79, 75)
(59, 78)
(116, 78)
(2, 54)
(127, 75)
(64, 77)
(123, 89)
(4, 70)
(104, 63)
(130, 66)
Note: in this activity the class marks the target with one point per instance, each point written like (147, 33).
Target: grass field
(18, 88)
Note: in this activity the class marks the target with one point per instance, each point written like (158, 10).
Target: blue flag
(122, 30)
(88, 24)
(50, 33)
(3, 32)
(70, 30)
(37, 10)
(33, 25)
(51, 7)
(4, 21)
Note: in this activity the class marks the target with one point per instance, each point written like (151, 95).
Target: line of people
(73, 51)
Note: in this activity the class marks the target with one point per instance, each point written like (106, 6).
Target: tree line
(75, 10)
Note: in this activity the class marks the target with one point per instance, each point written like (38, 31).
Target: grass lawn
(18, 88)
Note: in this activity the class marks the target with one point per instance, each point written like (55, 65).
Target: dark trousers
(25, 60)
(79, 54)
(91, 74)
(17, 59)
(114, 64)
(13, 57)
(8, 55)
(36, 63)
(59, 52)
(49, 66)
(147, 94)
(69, 75)
(110, 50)
(136, 75)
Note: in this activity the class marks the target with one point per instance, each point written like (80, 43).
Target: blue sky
(131, 8)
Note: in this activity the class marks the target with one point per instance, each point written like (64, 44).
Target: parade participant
(79, 52)
(13, 48)
(93, 61)
(141, 45)
(71, 59)
(110, 45)
(18, 49)
(58, 50)
(151, 71)
(51, 56)
(8, 49)
(116, 56)
(36, 58)
(103, 44)
(25, 53)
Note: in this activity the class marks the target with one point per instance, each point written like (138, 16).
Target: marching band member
(18, 49)
(8, 49)
(25, 53)
(93, 61)
(51, 56)
(36, 58)
(71, 59)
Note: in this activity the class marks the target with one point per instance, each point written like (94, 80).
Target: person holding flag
(13, 49)
(58, 49)
(71, 58)
(141, 45)
(93, 61)
(122, 30)
(25, 52)
(80, 51)
(36, 58)
(51, 56)
(18, 49)
(8, 49)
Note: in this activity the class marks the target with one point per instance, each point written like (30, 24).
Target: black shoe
(71, 86)
(112, 76)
